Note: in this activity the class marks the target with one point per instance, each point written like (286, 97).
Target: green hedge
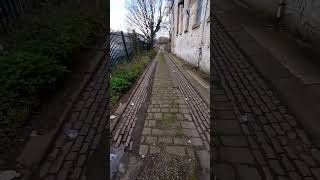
(125, 75)
(36, 58)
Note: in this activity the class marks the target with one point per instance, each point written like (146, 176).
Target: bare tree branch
(146, 16)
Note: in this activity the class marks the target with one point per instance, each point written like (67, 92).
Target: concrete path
(255, 135)
(169, 135)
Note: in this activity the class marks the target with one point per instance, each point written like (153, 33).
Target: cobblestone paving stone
(255, 135)
(198, 108)
(176, 116)
(128, 119)
(67, 160)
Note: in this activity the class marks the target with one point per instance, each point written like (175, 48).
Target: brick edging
(121, 109)
(52, 135)
(181, 71)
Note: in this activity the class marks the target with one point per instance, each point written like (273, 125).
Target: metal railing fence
(124, 46)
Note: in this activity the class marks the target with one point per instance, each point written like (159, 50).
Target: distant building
(163, 40)
(190, 32)
(164, 43)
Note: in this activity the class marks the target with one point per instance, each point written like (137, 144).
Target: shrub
(29, 74)
(119, 84)
(37, 56)
(125, 75)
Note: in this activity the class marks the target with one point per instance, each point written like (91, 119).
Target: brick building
(190, 32)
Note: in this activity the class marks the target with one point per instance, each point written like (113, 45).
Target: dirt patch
(167, 166)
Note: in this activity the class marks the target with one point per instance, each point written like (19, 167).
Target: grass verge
(124, 75)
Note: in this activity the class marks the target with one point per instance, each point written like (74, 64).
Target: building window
(181, 18)
(187, 11)
(177, 27)
(197, 14)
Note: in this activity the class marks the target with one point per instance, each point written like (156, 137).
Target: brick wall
(187, 43)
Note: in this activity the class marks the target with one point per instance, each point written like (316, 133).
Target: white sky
(118, 16)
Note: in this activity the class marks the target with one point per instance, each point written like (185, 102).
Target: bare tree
(146, 16)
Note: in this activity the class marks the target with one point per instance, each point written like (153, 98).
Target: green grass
(194, 172)
(161, 58)
(168, 120)
(174, 103)
(179, 132)
(124, 75)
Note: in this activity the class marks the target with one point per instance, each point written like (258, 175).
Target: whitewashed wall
(186, 44)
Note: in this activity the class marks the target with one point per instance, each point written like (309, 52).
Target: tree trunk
(151, 43)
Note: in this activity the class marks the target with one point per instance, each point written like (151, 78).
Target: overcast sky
(118, 15)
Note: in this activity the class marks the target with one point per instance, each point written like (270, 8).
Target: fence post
(134, 43)
(125, 46)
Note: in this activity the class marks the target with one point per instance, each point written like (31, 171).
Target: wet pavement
(169, 135)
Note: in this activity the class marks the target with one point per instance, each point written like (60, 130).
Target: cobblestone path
(173, 140)
(255, 135)
(68, 158)
(129, 117)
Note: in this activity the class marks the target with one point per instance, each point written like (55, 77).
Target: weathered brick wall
(301, 16)
(186, 44)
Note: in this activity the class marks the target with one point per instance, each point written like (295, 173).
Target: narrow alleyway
(255, 134)
(165, 127)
